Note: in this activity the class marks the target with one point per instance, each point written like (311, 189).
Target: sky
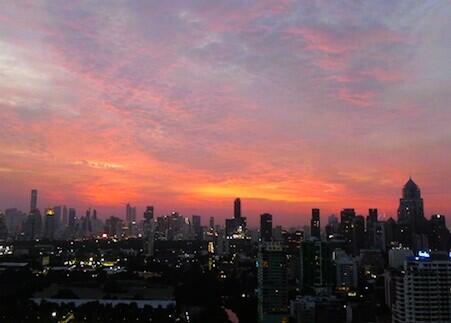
(186, 105)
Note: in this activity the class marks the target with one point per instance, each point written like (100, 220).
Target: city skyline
(129, 211)
(289, 105)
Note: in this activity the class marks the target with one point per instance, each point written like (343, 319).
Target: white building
(422, 290)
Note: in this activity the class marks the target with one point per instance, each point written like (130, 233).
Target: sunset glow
(186, 105)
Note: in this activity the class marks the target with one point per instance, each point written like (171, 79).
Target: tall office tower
(64, 217)
(411, 220)
(33, 225)
(272, 284)
(422, 290)
(315, 225)
(130, 213)
(150, 238)
(358, 234)
(347, 217)
(371, 220)
(438, 233)
(196, 226)
(72, 218)
(266, 227)
(212, 223)
(346, 272)
(15, 221)
(58, 210)
(237, 209)
(130, 219)
(316, 268)
(148, 214)
(87, 223)
(34, 200)
(332, 226)
(50, 224)
(380, 236)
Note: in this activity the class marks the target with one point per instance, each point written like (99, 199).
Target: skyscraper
(438, 233)
(315, 224)
(266, 227)
(130, 219)
(371, 221)
(72, 218)
(272, 283)
(411, 220)
(358, 234)
(347, 217)
(148, 214)
(197, 228)
(237, 209)
(34, 200)
(50, 224)
(316, 269)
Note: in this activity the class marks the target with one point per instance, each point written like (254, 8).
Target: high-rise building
(272, 284)
(149, 214)
(379, 236)
(266, 227)
(346, 272)
(197, 228)
(411, 220)
(422, 290)
(316, 269)
(315, 224)
(212, 223)
(237, 209)
(130, 219)
(34, 200)
(236, 227)
(347, 217)
(50, 224)
(358, 234)
(371, 220)
(72, 218)
(149, 230)
(64, 217)
(438, 233)
(332, 226)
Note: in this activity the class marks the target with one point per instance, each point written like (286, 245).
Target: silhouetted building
(347, 217)
(371, 220)
(411, 221)
(315, 224)
(148, 214)
(332, 227)
(72, 218)
(237, 208)
(266, 227)
(316, 268)
(130, 219)
(34, 200)
(439, 234)
(197, 228)
(272, 284)
(50, 224)
(358, 234)
(212, 223)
